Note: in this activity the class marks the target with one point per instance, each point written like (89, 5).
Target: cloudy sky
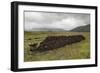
(66, 21)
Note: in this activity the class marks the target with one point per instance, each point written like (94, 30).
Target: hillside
(82, 29)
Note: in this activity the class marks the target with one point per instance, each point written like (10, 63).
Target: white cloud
(66, 21)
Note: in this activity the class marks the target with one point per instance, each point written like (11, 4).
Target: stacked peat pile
(54, 42)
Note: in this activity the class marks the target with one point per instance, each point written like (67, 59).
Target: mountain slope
(82, 29)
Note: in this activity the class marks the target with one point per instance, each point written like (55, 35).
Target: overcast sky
(66, 21)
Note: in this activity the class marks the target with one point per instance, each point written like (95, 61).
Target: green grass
(80, 50)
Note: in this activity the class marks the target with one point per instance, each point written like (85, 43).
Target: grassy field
(80, 50)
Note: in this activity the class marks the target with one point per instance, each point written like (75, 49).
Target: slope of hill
(82, 29)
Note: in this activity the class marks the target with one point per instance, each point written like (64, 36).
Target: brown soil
(55, 42)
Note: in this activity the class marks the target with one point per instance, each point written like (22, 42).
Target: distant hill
(77, 29)
(46, 29)
(82, 29)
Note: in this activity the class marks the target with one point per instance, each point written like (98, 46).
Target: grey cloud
(65, 21)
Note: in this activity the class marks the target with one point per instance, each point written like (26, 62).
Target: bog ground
(80, 50)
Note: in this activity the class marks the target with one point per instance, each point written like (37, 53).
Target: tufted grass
(80, 50)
